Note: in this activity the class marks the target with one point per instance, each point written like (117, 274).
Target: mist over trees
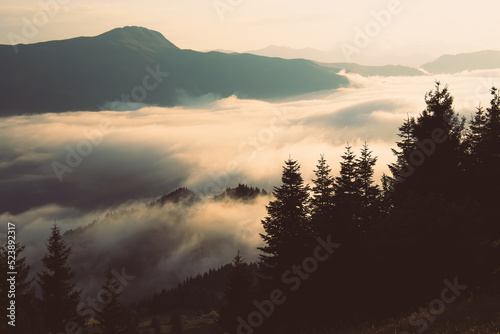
(434, 218)
(338, 251)
(59, 298)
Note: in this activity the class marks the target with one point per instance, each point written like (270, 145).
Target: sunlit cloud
(133, 157)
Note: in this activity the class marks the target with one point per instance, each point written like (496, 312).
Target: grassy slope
(475, 312)
(192, 323)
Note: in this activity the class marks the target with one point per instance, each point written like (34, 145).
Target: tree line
(434, 218)
(58, 307)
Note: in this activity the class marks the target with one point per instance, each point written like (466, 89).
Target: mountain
(387, 70)
(202, 293)
(85, 73)
(180, 195)
(291, 53)
(414, 60)
(336, 55)
(482, 60)
(326, 58)
(137, 38)
(241, 193)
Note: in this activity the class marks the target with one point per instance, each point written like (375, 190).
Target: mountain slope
(387, 70)
(336, 55)
(481, 60)
(291, 53)
(324, 58)
(85, 73)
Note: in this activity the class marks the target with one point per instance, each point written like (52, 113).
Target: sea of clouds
(128, 158)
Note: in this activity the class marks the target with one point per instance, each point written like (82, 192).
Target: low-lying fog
(75, 167)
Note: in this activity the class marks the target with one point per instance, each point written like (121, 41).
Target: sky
(427, 27)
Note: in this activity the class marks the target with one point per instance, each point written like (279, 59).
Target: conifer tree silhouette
(237, 295)
(27, 311)
(288, 230)
(323, 199)
(59, 298)
(111, 313)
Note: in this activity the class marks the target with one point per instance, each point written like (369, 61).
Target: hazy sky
(425, 26)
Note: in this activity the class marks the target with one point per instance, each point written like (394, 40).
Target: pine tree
(442, 166)
(237, 295)
(288, 231)
(27, 319)
(399, 169)
(59, 299)
(111, 313)
(476, 134)
(386, 194)
(485, 131)
(439, 113)
(323, 198)
(368, 192)
(364, 173)
(483, 143)
(348, 197)
(432, 152)
(347, 185)
(493, 135)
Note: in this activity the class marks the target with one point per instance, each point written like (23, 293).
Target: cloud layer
(77, 167)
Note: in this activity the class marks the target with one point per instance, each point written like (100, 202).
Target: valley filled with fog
(105, 167)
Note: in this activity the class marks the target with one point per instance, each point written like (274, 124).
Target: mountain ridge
(135, 35)
(86, 73)
(469, 61)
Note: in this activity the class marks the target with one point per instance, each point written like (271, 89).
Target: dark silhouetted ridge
(137, 36)
(482, 60)
(92, 73)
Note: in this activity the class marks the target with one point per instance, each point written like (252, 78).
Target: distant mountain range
(336, 55)
(482, 60)
(385, 71)
(140, 65)
(134, 64)
(446, 64)
(291, 53)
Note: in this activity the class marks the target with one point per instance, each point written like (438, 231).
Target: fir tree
(399, 169)
(475, 136)
(111, 313)
(442, 166)
(237, 295)
(484, 137)
(59, 299)
(323, 198)
(386, 193)
(364, 173)
(439, 114)
(483, 143)
(27, 313)
(368, 192)
(347, 184)
(348, 197)
(288, 232)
